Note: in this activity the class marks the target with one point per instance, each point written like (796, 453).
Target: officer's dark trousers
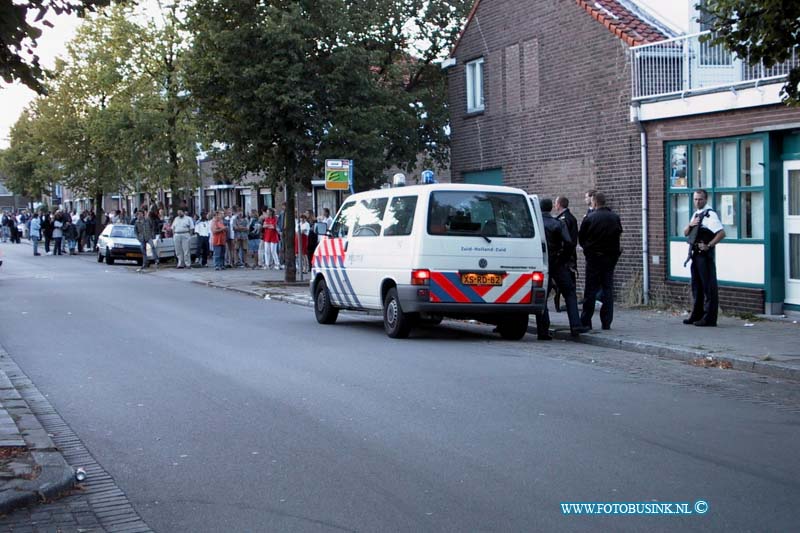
(563, 279)
(704, 288)
(599, 275)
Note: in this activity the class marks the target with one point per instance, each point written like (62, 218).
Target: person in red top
(271, 240)
(219, 238)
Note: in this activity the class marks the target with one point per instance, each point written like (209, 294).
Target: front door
(791, 223)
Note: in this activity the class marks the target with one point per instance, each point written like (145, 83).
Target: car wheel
(396, 323)
(109, 259)
(99, 257)
(324, 310)
(513, 327)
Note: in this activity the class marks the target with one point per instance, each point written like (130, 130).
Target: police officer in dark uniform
(704, 231)
(569, 220)
(599, 236)
(560, 247)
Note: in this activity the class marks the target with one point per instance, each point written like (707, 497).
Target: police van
(425, 252)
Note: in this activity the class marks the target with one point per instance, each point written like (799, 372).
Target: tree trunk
(288, 231)
(98, 213)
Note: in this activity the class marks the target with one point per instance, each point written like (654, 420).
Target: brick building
(560, 97)
(714, 122)
(540, 99)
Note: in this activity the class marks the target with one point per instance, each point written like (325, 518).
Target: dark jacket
(70, 231)
(600, 233)
(571, 222)
(144, 229)
(559, 242)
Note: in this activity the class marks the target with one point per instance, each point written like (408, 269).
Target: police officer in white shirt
(709, 232)
(182, 228)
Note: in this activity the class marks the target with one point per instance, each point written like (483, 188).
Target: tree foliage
(30, 168)
(20, 28)
(281, 85)
(759, 30)
(115, 117)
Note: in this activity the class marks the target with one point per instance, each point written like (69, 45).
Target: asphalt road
(215, 411)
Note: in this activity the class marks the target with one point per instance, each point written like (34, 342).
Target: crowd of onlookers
(234, 238)
(65, 232)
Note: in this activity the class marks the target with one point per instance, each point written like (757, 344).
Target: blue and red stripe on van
(330, 255)
(446, 287)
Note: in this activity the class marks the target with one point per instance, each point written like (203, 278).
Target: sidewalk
(32, 469)
(769, 346)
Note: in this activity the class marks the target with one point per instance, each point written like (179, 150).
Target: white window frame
(474, 70)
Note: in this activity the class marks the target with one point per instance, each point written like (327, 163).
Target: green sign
(337, 174)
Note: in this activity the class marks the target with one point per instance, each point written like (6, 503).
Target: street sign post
(339, 175)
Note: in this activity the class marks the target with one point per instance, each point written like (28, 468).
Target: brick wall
(706, 126)
(556, 119)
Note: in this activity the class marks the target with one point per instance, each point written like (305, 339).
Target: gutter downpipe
(645, 210)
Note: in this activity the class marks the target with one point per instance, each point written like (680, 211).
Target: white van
(423, 252)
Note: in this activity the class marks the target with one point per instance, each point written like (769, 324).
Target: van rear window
(481, 213)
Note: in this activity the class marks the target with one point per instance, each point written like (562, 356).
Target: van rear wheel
(324, 310)
(513, 327)
(396, 323)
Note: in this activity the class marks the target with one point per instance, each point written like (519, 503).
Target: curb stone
(55, 475)
(605, 341)
(680, 354)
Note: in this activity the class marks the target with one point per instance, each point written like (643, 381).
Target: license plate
(131, 254)
(475, 278)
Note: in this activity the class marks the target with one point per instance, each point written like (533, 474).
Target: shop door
(791, 224)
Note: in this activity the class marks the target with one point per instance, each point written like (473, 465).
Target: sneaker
(688, 321)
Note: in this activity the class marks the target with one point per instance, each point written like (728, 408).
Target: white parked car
(118, 242)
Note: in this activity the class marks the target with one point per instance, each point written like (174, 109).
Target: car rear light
(420, 277)
(538, 279)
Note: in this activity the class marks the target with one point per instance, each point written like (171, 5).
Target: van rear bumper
(416, 299)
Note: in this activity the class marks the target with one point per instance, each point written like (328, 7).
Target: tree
(19, 34)
(30, 168)
(281, 85)
(759, 30)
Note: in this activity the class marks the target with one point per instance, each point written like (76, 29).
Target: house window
(475, 85)
(736, 191)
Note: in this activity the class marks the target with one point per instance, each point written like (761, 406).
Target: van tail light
(538, 279)
(421, 277)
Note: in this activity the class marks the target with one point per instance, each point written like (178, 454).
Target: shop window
(677, 167)
(725, 204)
(752, 215)
(680, 210)
(701, 165)
(726, 165)
(736, 191)
(752, 163)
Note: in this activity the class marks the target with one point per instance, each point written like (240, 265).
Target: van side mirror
(321, 228)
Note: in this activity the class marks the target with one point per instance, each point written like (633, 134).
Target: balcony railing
(686, 64)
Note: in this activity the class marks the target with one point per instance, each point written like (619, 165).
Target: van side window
(480, 213)
(369, 214)
(400, 216)
(343, 221)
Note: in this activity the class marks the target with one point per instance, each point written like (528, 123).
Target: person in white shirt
(326, 217)
(203, 230)
(706, 231)
(182, 227)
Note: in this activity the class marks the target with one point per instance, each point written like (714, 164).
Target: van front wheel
(513, 327)
(324, 310)
(396, 323)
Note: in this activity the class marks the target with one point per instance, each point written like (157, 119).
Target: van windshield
(480, 213)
